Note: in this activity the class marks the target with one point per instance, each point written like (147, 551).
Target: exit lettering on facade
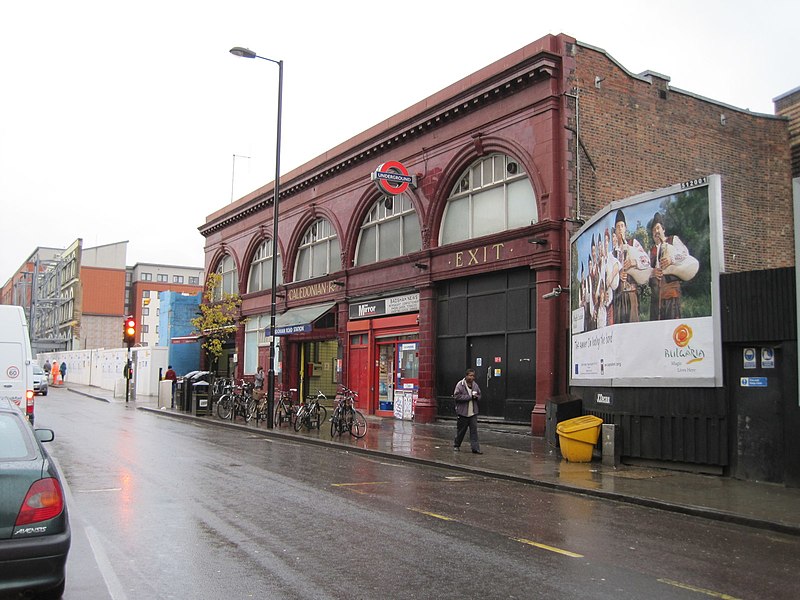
(480, 255)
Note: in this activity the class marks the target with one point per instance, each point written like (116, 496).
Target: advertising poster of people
(643, 290)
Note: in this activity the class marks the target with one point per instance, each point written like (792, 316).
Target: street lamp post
(246, 53)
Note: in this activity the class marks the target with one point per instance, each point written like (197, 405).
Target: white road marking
(113, 583)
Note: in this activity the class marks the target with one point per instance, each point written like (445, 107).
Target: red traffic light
(129, 331)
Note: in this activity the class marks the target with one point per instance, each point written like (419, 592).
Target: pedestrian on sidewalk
(63, 369)
(259, 379)
(466, 395)
(46, 368)
(54, 371)
(172, 376)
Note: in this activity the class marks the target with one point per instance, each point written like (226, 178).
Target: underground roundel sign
(392, 178)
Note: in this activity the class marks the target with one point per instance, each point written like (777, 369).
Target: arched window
(493, 194)
(319, 252)
(261, 269)
(388, 232)
(230, 278)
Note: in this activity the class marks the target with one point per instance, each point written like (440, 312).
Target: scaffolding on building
(47, 302)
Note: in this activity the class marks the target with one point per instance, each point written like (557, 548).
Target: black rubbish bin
(192, 404)
(183, 392)
(200, 398)
(557, 409)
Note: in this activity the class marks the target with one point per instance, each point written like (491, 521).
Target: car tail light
(29, 396)
(43, 501)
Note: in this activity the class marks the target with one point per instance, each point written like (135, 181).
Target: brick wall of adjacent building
(788, 105)
(103, 291)
(640, 135)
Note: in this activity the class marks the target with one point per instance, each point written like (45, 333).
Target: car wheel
(44, 393)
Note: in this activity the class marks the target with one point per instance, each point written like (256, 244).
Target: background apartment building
(144, 281)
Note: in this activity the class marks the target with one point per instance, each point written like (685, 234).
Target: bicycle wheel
(358, 426)
(320, 416)
(335, 422)
(249, 406)
(224, 406)
(299, 418)
(280, 415)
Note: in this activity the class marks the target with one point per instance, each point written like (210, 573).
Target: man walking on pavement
(171, 376)
(467, 394)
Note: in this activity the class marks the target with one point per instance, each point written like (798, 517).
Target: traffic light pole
(128, 375)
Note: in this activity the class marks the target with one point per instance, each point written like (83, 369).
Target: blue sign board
(289, 329)
(753, 381)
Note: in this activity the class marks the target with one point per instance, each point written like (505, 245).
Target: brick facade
(641, 135)
(636, 133)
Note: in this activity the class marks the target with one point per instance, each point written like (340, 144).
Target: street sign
(392, 178)
(753, 381)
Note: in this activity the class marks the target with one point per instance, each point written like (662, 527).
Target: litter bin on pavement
(200, 397)
(557, 410)
(183, 391)
(578, 437)
(190, 400)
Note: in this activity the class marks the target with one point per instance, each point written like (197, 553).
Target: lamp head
(244, 52)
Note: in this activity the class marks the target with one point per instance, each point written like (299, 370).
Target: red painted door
(358, 376)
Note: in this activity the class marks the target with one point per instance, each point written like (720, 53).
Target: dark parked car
(34, 526)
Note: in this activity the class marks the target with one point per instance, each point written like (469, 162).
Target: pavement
(511, 453)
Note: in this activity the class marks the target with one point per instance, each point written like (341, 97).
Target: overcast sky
(114, 108)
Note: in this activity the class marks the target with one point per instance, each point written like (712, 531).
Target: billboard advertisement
(644, 290)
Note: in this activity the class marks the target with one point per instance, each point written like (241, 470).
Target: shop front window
(253, 338)
(320, 364)
(492, 195)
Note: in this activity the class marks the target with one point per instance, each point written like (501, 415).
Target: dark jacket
(462, 396)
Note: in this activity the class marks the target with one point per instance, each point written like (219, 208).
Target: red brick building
(397, 297)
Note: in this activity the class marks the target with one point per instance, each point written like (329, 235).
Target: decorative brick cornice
(522, 75)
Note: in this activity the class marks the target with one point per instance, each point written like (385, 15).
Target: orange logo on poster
(682, 335)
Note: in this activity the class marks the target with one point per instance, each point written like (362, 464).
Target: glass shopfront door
(397, 374)
(385, 377)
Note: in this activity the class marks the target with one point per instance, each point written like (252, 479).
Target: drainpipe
(577, 153)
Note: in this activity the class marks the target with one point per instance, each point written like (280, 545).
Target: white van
(16, 361)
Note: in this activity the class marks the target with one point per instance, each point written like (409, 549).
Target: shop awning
(299, 320)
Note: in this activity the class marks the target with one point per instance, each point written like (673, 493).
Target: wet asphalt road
(165, 508)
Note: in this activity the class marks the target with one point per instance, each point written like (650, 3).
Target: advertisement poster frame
(659, 323)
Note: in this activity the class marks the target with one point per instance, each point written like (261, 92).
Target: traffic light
(129, 331)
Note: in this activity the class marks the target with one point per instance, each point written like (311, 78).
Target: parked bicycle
(237, 401)
(311, 413)
(221, 386)
(225, 399)
(285, 408)
(346, 417)
(261, 406)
